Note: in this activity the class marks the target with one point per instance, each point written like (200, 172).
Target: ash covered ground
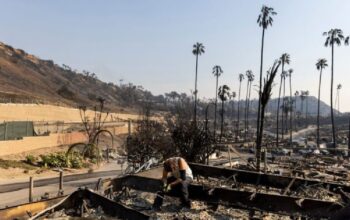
(172, 209)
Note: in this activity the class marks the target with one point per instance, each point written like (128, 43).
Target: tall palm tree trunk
(284, 92)
(195, 92)
(278, 112)
(260, 83)
(291, 113)
(295, 112)
(233, 109)
(259, 138)
(246, 112)
(216, 103)
(307, 111)
(222, 119)
(286, 122)
(318, 109)
(338, 101)
(302, 107)
(250, 89)
(332, 116)
(238, 110)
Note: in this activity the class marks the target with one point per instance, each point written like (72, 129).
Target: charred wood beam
(269, 180)
(77, 199)
(286, 205)
(28, 209)
(288, 187)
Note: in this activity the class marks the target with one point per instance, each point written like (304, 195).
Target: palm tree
(290, 71)
(306, 94)
(334, 36)
(245, 108)
(250, 79)
(320, 65)
(217, 71)
(337, 98)
(284, 59)
(223, 93)
(283, 75)
(264, 99)
(233, 96)
(296, 94)
(286, 108)
(284, 125)
(241, 78)
(264, 20)
(302, 98)
(198, 49)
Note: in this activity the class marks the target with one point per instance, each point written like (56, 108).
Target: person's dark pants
(179, 190)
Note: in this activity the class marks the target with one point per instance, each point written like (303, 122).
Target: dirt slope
(26, 78)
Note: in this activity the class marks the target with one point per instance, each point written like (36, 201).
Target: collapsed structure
(245, 192)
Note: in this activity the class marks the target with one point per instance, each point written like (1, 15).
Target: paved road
(21, 196)
(299, 134)
(16, 193)
(48, 181)
(50, 186)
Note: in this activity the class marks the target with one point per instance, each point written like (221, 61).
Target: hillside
(311, 106)
(26, 78)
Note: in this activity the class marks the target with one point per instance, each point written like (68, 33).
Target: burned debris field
(174, 110)
(217, 193)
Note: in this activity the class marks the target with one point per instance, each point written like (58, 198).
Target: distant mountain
(26, 78)
(310, 102)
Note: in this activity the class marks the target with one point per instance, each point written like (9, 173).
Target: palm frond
(268, 82)
(217, 70)
(335, 36)
(265, 17)
(241, 77)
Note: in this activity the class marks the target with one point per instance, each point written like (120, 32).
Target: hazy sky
(149, 43)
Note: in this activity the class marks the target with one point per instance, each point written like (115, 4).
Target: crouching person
(177, 175)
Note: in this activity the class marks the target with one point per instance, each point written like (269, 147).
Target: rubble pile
(312, 191)
(172, 209)
(83, 212)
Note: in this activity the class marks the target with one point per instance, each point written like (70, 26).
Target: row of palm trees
(223, 92)
(265, 20)
(284, 59)
(250, 79)
(333, 37)
(320, 65)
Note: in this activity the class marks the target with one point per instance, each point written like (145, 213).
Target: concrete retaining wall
(33, 143)
(34, 112)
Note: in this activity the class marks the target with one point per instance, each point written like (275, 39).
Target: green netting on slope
(16, 130)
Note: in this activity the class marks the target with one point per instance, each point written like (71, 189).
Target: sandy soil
(22, 156)
(20, 174)
(34, 112)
